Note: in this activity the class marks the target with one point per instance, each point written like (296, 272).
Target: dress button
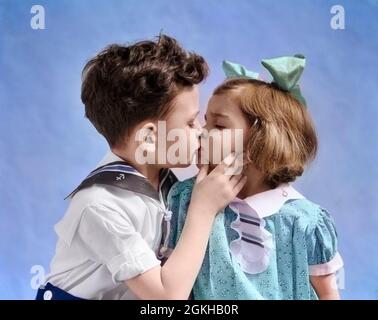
(47, 295)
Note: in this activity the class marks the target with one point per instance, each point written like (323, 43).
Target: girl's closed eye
(220, 123)
(219, 127)
(215, 123)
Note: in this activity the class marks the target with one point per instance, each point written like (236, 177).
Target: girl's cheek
(221, 145)
(215, 148)
(238, 141)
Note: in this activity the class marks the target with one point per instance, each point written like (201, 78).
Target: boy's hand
(213, 191)
(175, 279)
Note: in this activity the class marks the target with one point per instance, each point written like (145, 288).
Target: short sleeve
(321, 242)
(112, 240)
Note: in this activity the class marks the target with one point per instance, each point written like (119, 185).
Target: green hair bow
(285, 71)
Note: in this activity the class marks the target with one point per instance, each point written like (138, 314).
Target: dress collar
(253, 247)
(266, 203)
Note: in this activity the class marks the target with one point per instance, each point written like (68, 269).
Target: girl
(270, 242)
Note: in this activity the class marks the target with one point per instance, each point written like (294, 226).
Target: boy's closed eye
(193, 120)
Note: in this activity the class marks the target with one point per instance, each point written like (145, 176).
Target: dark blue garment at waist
(50, 292)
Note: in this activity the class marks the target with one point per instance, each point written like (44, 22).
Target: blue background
(47, 146)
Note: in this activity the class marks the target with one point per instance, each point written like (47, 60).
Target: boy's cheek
(192, 144)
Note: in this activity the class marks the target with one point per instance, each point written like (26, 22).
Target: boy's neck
(255, 183)
(151, 172)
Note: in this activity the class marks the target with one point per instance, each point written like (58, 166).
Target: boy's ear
(147, 138)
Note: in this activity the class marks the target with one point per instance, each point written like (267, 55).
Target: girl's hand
(215, 190)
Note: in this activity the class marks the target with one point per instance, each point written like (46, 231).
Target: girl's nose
(199, 132)
(204, 133)
(198, 129)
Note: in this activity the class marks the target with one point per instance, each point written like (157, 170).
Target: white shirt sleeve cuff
(128, 264)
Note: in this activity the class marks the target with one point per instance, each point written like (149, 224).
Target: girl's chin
(180, 165)
(211, 166)
(199, 163)
(201, 158)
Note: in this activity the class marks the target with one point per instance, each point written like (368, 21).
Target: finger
(229, 160)
(235, 179)
(235, 169)
(202, 173)
(240, 185)
(226, 162)
(237, 165)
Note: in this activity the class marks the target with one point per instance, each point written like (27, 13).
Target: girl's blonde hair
(281, 138)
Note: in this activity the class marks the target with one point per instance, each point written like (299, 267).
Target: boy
(111, 232)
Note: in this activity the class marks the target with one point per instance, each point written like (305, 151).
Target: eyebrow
(217, 114)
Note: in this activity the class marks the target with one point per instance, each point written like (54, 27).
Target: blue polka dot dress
(262, 247)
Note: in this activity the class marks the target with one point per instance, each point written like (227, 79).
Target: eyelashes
(216, 126)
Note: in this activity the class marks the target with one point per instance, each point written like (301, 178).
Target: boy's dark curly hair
(124, 85)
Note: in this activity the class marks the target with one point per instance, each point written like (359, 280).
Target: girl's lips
(202, 156)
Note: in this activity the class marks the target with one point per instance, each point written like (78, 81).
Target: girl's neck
(255, 183)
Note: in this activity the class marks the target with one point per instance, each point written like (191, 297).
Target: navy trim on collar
(121, 175)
